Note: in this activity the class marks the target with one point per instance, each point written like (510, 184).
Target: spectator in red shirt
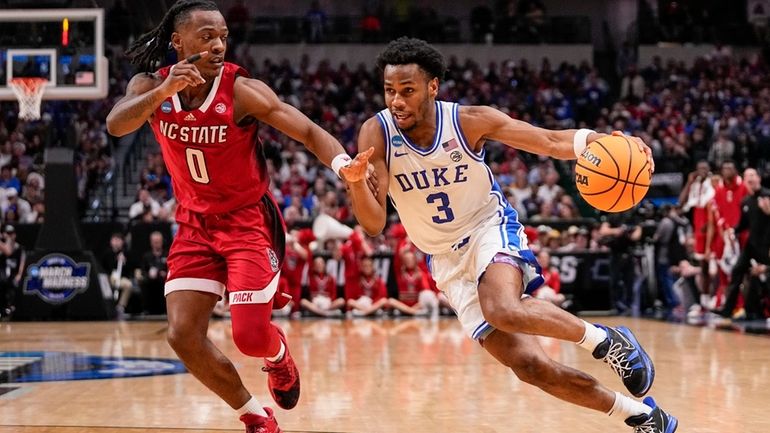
(406, 245)
(322, 288)
(415, 297)
(727, 202)
(366, 294)
(550, 290)
(353, 250)
(294, 270)
(724, 211)
(697, 193)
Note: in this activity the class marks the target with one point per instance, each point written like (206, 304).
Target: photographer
(669, 251)
(152, 275)
(11, 268)
(620, 237)
(115, 263)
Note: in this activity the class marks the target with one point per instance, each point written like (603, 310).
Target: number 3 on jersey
(443, 207)
(196, 163)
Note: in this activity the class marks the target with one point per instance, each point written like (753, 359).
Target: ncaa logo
(456, 156)
(396, 141)
(165, 107)
(220, 108)
(273, 259)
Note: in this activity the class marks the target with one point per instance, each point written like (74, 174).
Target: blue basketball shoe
(623, 353)
(656, 422)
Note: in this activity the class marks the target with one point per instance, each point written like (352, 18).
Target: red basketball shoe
(261, 424)
(283, 378)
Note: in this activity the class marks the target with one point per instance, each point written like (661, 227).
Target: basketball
(612, 174)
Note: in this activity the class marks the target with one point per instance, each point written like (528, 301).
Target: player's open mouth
(400, 117)
(217, 61)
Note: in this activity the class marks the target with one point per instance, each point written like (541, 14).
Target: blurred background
(688, 77)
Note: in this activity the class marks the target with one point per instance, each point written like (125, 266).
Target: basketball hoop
(29, 92)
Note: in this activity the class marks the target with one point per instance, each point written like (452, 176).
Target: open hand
(360, 169)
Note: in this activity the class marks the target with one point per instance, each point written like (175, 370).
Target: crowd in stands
(502, 21)
(78, 125)
(22, 184)
(716, 111)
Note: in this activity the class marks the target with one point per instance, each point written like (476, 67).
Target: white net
(29, 92)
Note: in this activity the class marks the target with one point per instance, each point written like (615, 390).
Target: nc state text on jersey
(194, 134)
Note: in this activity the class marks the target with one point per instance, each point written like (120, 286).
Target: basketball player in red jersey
(696, 195)
(204, 113)
(724, 212)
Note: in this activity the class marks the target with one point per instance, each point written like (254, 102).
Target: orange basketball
(612, 174)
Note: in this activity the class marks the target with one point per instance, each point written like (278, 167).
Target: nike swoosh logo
(627, 342)
(396, 154)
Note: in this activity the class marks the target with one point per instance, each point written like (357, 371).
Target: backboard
(64, 46)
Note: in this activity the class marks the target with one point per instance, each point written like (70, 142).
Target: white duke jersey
(444, 192)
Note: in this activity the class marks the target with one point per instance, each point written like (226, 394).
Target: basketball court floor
(362, 376)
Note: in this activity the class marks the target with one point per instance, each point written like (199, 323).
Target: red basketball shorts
(241, 251)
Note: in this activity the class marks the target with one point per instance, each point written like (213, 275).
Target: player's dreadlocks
(405, 51)
(150, 49)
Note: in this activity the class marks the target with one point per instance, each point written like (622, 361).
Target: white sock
(593, 337)
(705, 300)
(252, 406)
(279, 356)
(626, 407)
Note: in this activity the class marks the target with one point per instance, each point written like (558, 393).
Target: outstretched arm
(483, 123)
(255, 98)
(146, 91)
(369, 206)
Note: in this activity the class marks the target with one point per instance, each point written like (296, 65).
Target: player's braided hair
(405, 51)
(150, 49)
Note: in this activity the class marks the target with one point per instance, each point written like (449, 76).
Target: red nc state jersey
(216, 166)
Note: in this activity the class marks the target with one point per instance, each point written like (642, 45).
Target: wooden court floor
(385, 376)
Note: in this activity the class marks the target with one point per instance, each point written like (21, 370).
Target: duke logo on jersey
(435, 179)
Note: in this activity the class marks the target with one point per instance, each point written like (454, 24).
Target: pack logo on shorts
(273, 259)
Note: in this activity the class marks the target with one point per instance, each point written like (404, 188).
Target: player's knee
(183, 339)
(507, 316)
(253, 340)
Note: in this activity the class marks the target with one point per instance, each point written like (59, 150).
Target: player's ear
(433, 87)
(176, 41)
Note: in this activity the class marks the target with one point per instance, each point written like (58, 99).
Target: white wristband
(579, 141)
(339, 161)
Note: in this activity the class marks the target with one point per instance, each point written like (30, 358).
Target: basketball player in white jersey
(428, 156)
